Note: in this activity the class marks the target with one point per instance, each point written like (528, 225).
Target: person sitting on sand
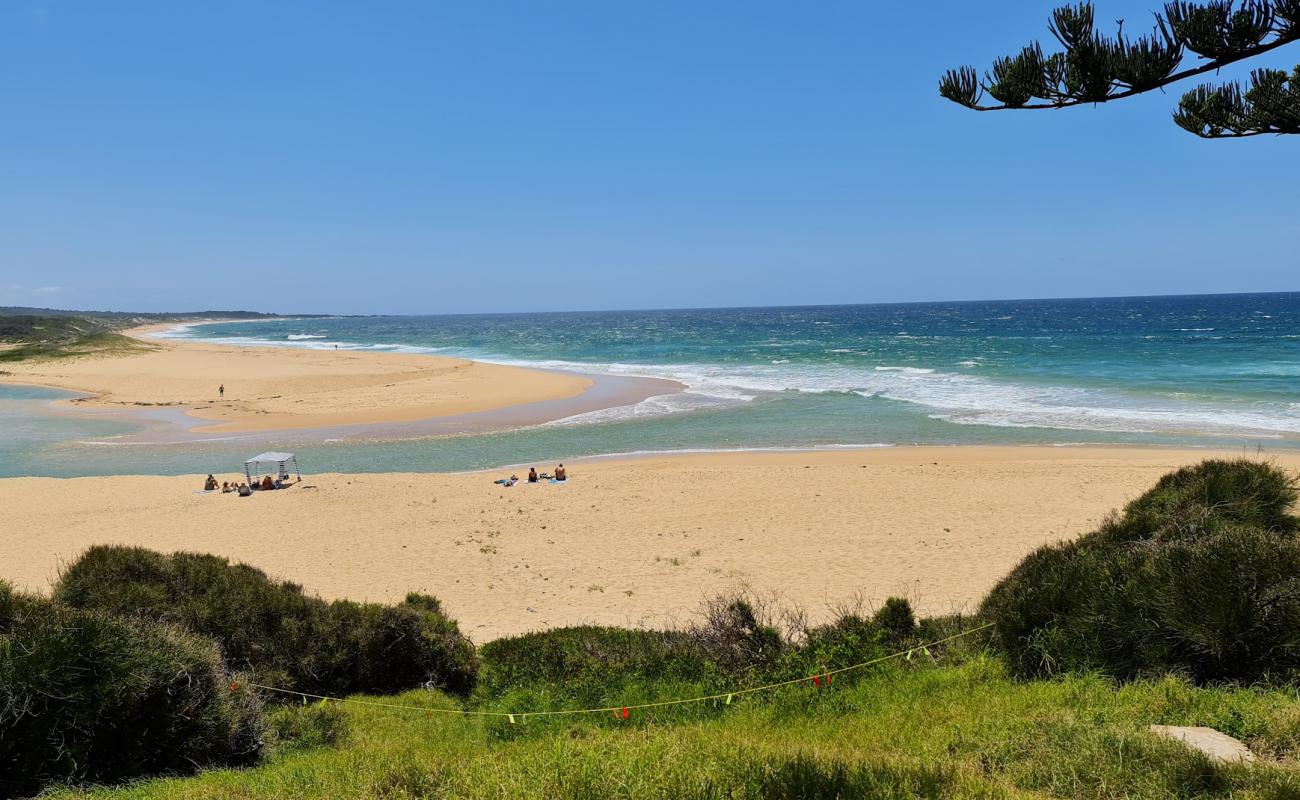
(560, 474)
(227, 488)
(210, 485)
(532, 474)
(268, 482)
(244, 491)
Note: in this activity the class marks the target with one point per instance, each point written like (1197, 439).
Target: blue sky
(420, 157)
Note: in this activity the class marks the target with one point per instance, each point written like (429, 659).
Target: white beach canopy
(280, 460)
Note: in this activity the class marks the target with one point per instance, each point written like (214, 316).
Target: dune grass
(959, 730)
(96, 343)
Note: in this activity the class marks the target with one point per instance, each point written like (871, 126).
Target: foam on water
(1057, 365)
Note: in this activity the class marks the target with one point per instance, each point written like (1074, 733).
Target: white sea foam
(956, 397)
(293, 337)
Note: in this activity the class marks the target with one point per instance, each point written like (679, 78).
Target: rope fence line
(622, 712)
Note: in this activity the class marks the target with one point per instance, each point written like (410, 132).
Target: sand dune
(279, 388)
(624, 542)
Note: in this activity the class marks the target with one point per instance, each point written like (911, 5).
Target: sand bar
(638, 541)
(269, 388)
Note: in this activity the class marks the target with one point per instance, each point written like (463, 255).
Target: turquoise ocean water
(1214, 370)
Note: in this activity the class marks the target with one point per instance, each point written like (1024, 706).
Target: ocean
(1206, 370)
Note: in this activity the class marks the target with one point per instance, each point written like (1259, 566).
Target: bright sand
(638, 541)
(280, 388)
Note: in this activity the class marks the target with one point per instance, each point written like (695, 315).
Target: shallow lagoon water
(1214, 371)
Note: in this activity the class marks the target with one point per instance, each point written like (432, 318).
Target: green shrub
(272, 629)
(896, 619)
(733, 637)
(87, 696)
(1200, 575)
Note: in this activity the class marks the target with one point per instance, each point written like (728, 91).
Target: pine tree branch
(1094, 68)
(1210, 66)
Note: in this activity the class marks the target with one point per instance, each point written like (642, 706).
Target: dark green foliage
(275, 631)
(847, 641)
(1194, 498)
(87, 696)
(1095, 68)
(896, 619)
(1270, 105)
(733, 637)
(307, 726)
(1199, 575)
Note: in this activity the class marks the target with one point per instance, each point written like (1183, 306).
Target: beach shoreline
(632, 541)
(330, 392)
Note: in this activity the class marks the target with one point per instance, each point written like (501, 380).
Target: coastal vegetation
(273, 630)
(91, 697)
(1094, 68)
(1199, 576)
(30, 333)
(32, 337)
(1177, 611)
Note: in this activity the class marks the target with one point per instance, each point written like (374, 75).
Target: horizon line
(281, 315)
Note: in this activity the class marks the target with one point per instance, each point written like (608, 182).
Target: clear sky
(424, 157)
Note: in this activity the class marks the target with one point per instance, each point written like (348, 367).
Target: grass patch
(968, 730)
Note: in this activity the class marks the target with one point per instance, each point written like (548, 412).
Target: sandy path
(280, 388)
(639, 541)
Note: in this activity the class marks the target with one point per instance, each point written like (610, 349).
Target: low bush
(272, 629)
(307, 726)
(1200, 575)
(87, 696)
(735, 645)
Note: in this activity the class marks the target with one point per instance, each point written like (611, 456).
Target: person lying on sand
(532, 474)
(210, 485)
(560, 474)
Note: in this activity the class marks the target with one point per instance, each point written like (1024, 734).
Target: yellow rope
(727, 696)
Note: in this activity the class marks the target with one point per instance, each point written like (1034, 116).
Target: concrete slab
(1218, 746)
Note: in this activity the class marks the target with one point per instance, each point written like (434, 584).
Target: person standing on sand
(221, 391)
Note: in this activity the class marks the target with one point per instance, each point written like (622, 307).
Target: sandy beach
(639, 541)
(281, 389)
